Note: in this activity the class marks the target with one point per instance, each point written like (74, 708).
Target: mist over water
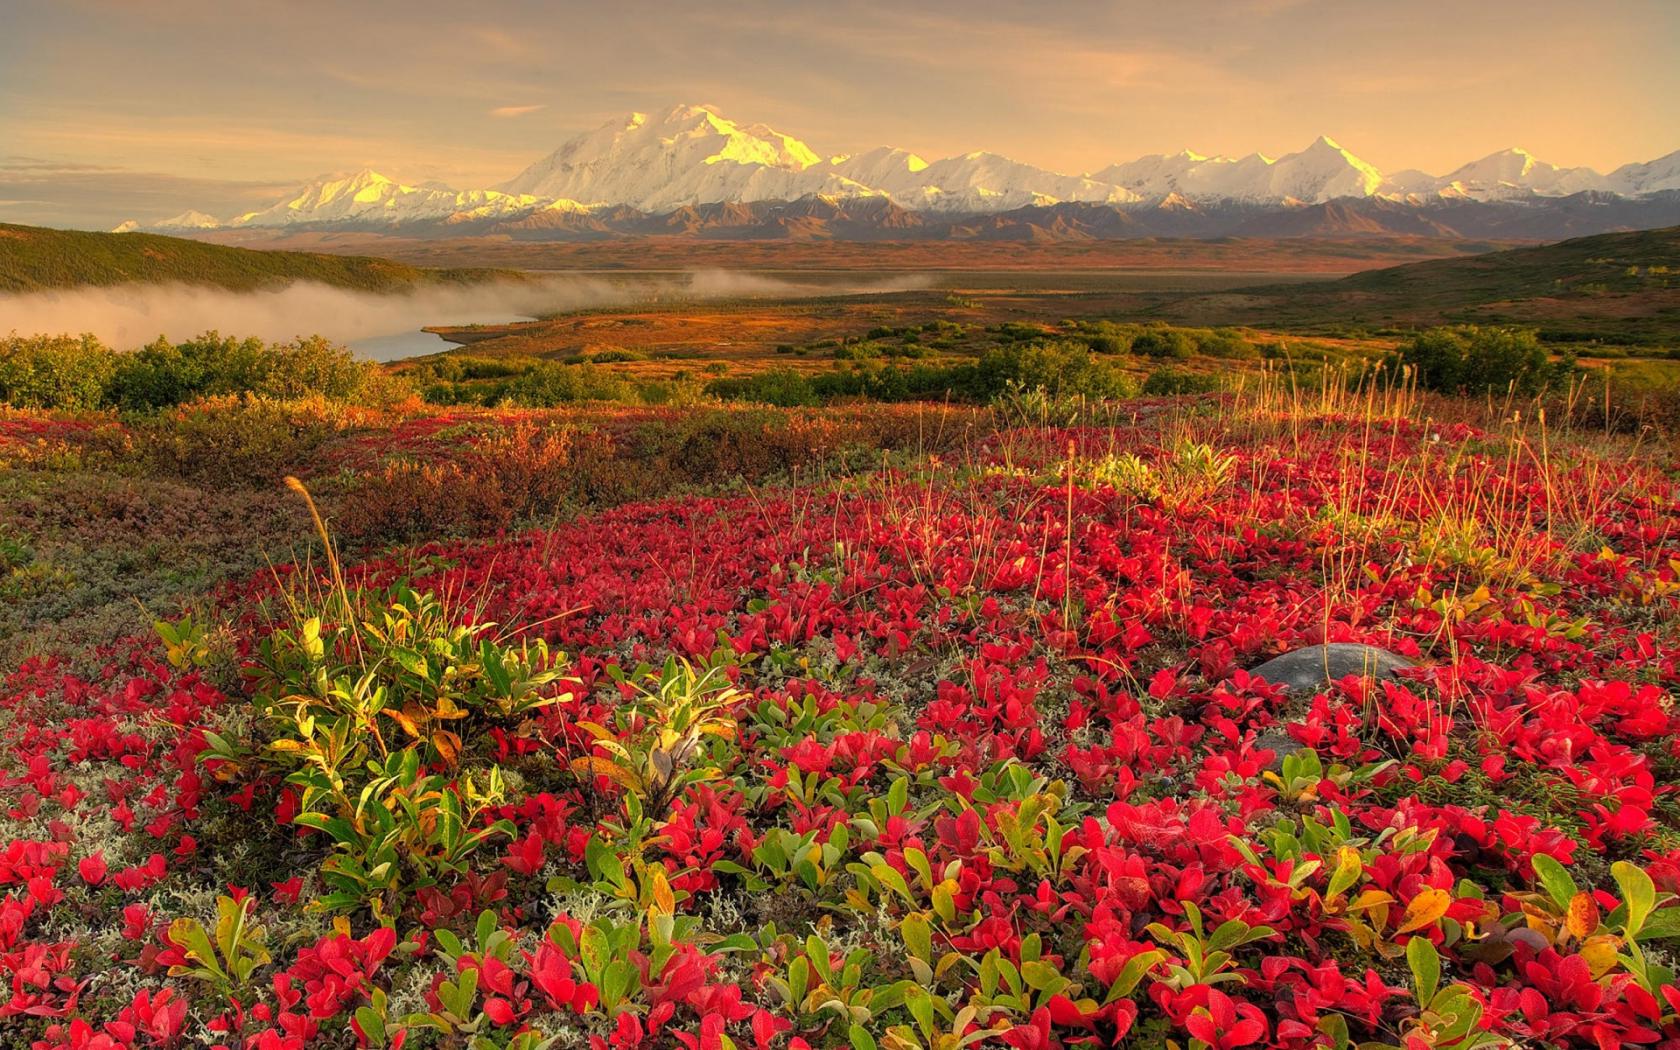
(130, 315)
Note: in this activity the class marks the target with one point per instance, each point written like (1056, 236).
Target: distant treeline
(34, 258)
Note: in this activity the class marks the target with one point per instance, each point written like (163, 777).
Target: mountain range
(690, 170)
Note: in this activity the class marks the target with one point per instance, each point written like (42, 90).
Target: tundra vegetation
(903, 704)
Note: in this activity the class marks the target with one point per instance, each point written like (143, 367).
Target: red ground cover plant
(960, 755)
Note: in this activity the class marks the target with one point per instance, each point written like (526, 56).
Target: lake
(416, 342)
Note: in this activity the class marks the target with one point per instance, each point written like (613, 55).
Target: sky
(115, 109)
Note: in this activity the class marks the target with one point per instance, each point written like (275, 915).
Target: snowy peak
(1653, 176)
(685, 155)
(689, 155)
(366, 196)
(1320, 172)
(190, 220)
(991, 182)
(1516, 172)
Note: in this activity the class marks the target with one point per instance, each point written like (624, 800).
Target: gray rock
(1313, 669)
(1280, 744)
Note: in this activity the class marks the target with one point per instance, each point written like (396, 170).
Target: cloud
(95, 197)
(515, 111)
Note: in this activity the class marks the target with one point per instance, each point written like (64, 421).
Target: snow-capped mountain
(1653, 176)
(686, 155)
(1517, 173)
(1321, 172)
(690, 156)
(191, 219)
(973, 182)
(369, 197)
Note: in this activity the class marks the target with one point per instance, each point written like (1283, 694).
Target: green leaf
(1133, 972)
(918, 936)
(799, 980)
(1042, 977)
(817, 951)
(860, 1038)
(889, 877)
(1557, 881)
(1661, 925)
(898, 796)
(1426, 969)
(1229, 934)
(1638, 893)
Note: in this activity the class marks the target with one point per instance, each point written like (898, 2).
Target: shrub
(547, 385)
(1059, 368)
(236, 441)
(1164, 342)
(1476, 361)
(515, 473)
(781, 387)
(378, 707)
(55, 372)
(615, 355)
(1173, 381)
(315, 367)
(164, 374)
(1226, 343)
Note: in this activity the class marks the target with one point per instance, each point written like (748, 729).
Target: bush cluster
(1474, 360)
(79, 373)
(1164, 341)
(1064, 368)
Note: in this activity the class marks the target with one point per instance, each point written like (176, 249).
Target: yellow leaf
(1600, 954)
(448, 746)
(406, 719)
(601, 767)
(664, 901)
(596, 730)
(1369, 899)
(1540, 919)
(1425, 909)
(1582, 921)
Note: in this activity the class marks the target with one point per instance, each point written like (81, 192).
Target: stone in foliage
(1314, 668)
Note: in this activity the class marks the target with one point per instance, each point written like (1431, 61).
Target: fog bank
(130, 315)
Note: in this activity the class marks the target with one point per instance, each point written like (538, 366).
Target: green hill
(1614, 287)
(33, 258)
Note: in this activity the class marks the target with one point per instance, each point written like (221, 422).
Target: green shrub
(781, 387)
(1164, 342)
(1064, 369)
(55, 372)
(547, 385)
(378, 706)
(1476, 361)
(1060, 368)
(1226, 343)
(1174, 381)
(615, 355)
(163, 374)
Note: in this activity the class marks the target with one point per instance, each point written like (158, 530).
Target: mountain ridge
(691, 155)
